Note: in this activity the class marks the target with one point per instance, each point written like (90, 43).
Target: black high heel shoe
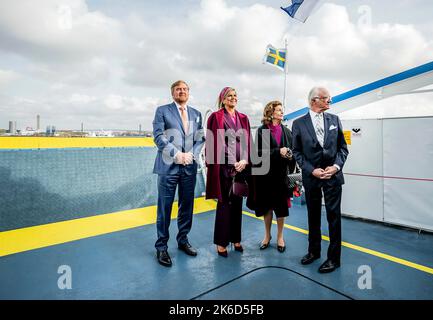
(263, 246)
(239, 248)
(222, 253)
(281, 248)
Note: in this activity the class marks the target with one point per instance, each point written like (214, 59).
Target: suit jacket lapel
(326, 121)
(310, 128)
(285, 138)
(220, 118)
(191, 121)
(176, 114)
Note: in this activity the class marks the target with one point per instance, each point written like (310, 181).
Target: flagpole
(285, 75)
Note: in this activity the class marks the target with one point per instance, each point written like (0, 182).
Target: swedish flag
(275, 57)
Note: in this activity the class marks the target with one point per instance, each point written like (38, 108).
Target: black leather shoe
(309, 258)
(281, 248)
(163, 258)
(188, 249)
(329, 266)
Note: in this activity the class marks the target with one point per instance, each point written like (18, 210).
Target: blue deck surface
(122, 265)
(47, 186)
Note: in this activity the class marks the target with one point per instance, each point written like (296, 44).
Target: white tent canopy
(402, 83)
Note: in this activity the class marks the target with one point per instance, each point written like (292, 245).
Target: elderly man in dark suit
(178, 134)
(321, 151)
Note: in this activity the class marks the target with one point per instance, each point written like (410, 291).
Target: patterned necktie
(320, 133)
(184, 117)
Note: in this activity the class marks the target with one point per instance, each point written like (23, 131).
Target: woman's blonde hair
(223, 94)
(269, 110)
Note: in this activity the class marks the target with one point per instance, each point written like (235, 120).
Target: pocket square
(197, 120)
(332, 127)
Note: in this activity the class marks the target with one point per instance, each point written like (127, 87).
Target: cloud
(131, 104)
(59, 30)
(214, 39)
(78, 98)
(112, 71)
(92, 72)
(7, 77)
(61, 40)
(334, 47)
(220, 45)
(69, 111)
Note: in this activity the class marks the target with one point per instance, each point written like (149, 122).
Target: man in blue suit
(321, 151)
(178, 134)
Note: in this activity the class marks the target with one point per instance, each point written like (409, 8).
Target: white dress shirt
(178, 106)
(313, 119)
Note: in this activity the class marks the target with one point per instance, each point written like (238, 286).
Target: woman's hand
(286, 153)
(240, 166)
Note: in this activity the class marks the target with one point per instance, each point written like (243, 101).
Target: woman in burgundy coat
(228, 142)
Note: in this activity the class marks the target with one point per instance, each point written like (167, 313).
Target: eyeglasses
(178, 89)
(324, 99)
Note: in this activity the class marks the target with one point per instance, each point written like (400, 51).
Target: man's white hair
(313, 93)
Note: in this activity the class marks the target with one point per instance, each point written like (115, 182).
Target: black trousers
(228, 218)
(313, 197)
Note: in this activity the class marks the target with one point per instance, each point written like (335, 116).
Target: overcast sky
(110, 63)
